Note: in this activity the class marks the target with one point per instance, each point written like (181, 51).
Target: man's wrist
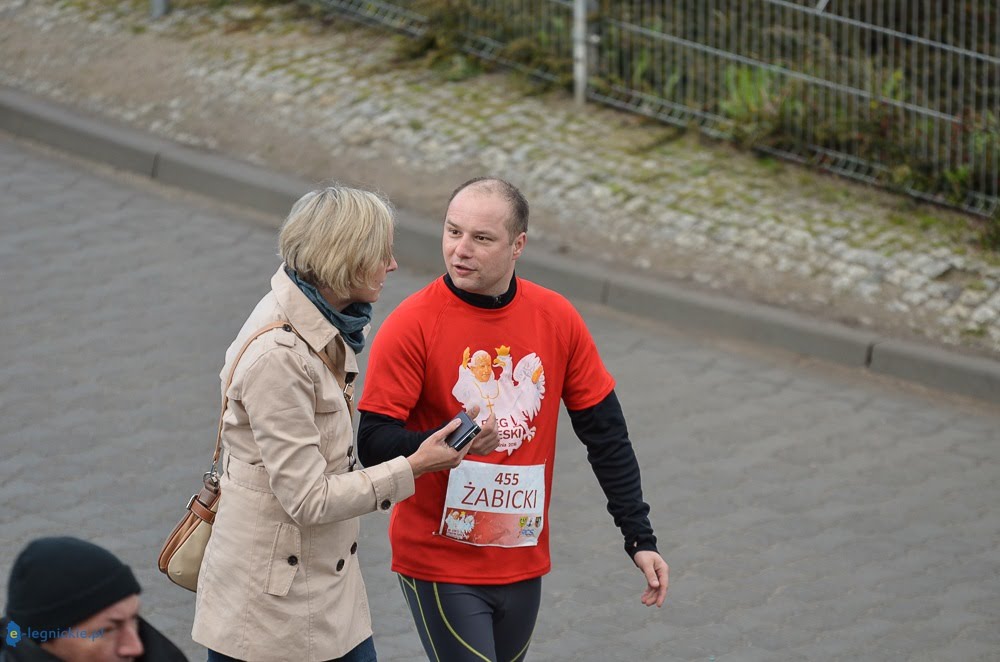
(637, 547)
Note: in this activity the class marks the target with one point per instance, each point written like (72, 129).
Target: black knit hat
(56, 583)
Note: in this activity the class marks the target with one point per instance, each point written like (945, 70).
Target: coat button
(340, 565)
(354, 548)
(385, 504)
(293, 560)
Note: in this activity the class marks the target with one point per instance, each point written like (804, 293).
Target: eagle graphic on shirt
(514, 396)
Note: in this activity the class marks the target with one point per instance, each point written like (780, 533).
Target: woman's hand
(434, 454)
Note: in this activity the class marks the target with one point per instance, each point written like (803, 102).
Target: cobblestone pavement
(328, 99)
(808, 512)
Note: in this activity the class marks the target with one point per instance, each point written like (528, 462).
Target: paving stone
(807, 515)
(236, 89)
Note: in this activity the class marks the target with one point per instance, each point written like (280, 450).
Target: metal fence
(535, 37)
(900, 93)
(396, 15)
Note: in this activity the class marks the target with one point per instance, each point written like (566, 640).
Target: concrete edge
(978, 377)
(757, 323)
(228, 180)
(60, 127)
(236, 182)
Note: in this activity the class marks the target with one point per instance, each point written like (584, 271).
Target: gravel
(318, 98)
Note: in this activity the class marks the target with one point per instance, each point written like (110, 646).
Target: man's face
(478, 251)
(118, 641)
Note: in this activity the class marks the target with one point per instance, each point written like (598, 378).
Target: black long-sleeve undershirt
(382, 438)
(602, 430)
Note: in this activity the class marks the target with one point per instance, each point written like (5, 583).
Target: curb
(236, 182)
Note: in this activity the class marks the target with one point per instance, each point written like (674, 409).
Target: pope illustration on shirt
(515, 397)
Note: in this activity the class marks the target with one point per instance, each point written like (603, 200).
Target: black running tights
(463, 623)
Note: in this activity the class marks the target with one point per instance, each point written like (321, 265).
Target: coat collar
(315, 329)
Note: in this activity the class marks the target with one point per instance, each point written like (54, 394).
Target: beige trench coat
(280, 578)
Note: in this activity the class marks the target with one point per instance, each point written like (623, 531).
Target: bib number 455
(504, 478)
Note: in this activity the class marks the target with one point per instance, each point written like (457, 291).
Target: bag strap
(346, 384)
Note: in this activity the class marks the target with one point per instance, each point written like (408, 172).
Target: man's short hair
(517, 220)
(338, 237)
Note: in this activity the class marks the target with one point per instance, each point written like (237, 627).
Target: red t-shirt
(521, 360)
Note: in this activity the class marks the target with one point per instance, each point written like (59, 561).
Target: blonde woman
(280, 579)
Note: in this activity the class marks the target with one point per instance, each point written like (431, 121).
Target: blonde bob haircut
(338, 237)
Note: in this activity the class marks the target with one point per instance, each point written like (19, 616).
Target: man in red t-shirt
(470, 546)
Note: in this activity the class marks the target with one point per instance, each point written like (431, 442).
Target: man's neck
(483, 300)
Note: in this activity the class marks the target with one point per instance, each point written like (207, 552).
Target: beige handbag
(182, 552)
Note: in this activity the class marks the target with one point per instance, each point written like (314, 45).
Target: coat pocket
(330, 399)
(329, 411)
(286, 554)
(334, 424)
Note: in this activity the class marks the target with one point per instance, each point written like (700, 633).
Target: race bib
(495, 505)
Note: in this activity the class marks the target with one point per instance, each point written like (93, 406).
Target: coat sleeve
(279, 397)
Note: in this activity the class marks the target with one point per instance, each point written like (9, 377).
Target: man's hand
(487, 440)
(657, 577)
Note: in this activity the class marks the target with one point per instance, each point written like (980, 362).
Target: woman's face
(370, 292)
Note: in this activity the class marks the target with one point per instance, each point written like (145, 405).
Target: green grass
(771, 165)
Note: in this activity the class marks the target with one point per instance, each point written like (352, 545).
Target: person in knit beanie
(71, 600)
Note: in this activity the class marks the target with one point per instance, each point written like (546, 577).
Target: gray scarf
(351, 322)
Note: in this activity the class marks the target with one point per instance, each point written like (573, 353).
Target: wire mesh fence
(901, 93)
(398, 16)
(531, 35)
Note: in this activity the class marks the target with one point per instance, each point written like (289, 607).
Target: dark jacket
(158, 647)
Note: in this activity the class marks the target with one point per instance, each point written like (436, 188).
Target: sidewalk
(671, 256)
(809, 513)
(417, 242)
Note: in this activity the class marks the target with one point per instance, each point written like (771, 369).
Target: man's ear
(519, 244)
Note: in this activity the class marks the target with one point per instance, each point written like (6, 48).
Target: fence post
(580, 51)
(159, 8)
